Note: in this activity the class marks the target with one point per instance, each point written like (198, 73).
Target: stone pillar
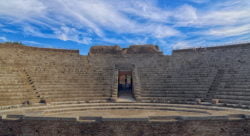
(115, 86)
(136, 84)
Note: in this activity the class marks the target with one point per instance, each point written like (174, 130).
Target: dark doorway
(125, 85)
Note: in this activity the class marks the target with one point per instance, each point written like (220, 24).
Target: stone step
(13, 86)
(172, 92)
(234, 101)
(15, 90)
(234, 89)
(15, 101)
(15, 98)
(233, 97)
(246, 86)
(149, 83)
(70, 75)
(79, 88)
(236, 80)
(167, 99)
(69, 81)
(87, 91)
(174, 95)
(174, 88)
(16, 93)
(85, 78)
(56, 99)
(172, 84)
(233, 93)
(54, 92)
(170, 76)
(230, 76)
(74, 95)
(71, 85)
(163, 87)
(176, 80)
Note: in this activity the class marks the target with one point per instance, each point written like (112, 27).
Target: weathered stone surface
(105, 50)
(116, 50)
(121, 128)
(215, 101)
(30, 75)
(143, 49)
(204, 74)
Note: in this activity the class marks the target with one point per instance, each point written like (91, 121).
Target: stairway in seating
(214, 86)
(234, 88)
(14, 87)
(32, 86)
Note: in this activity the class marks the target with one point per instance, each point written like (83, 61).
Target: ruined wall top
(116, 50)
(21, 46)
(232, 46)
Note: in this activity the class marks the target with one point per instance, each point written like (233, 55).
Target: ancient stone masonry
(116, 91)
(57, 75)
(98, 126)
(116, 50)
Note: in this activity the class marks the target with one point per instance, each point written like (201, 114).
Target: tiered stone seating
(34, 74)
(54, 85)
(15, 87)
(234, 87)
(159, 85)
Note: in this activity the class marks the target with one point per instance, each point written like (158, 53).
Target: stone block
(164, 118)
(14, 116)
(215, 101)
(49, 118)
(237, 116)
(198, 101)
(89, 118)
(206, 118)
(125, 119)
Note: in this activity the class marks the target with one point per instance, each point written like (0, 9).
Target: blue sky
(80, 24)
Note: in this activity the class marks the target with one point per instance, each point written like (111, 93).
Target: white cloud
(21, 8)
(78, 21)
(4, 39)
(225, 13)
(145, 9)
(230, 31)
(200, 1)
(162, 31)
(96, 16)
(181, 45)
(7, 30)
(66, 33)
(185, 15)
(32, 42)
(34, 31)
(224, 18)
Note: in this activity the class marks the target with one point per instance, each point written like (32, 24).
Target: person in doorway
(126, 82)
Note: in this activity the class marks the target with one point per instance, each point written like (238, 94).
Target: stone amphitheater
(135, 91)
